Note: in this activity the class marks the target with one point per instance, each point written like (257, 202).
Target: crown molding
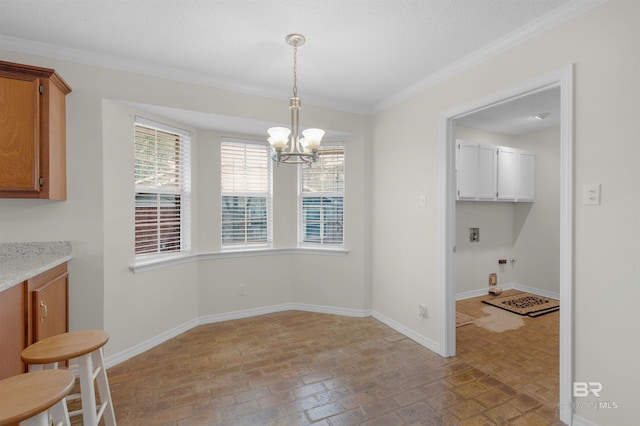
(534, 28)
(53, 51)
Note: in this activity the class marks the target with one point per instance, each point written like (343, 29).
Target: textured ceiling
(360, 54)
(517, 116)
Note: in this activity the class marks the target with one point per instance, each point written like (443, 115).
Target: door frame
(562, 78)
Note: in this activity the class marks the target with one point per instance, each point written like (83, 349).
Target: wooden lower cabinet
(47, 296)
(12, 331)
(32, 311)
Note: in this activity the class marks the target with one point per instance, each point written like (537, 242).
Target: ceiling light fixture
(286, 143)
(542, 115)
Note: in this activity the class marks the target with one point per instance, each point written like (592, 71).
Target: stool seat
(63, 347)
(26, 395)
(86, 347)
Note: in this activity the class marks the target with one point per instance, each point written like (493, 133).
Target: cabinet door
(12, 331)
(19, 134)
(526, 180)
(467, 170)
(50, 315)
(487, 169)
(507, 173)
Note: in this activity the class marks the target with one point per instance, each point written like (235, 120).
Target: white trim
(534, 28)
(536, 291)
(210, 319)
(567, 263)
(581, 421)
(509, 286)
(48, 50)
(154, 124)
(564, 79)
(148, 344)
(158, 262)
(416, 337)
(480, 292)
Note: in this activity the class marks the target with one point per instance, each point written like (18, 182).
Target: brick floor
(299, 368)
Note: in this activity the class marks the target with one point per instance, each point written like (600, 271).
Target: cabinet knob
(45, 311)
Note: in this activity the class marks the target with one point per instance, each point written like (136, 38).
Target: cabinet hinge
(41, 181)
(41, 89)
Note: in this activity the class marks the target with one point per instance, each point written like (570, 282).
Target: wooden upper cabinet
(32, 132)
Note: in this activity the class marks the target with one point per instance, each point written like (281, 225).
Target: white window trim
(156, 262)
(318, 246)
(186, 194)
(250, 246)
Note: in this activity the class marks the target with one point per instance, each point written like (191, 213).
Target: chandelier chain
(295, 70)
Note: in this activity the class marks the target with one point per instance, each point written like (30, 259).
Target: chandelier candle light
(288, 146)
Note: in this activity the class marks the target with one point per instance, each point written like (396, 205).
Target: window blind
(162, 188)
(321, 199)
(246, 184)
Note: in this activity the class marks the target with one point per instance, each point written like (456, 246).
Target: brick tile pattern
(300, 368)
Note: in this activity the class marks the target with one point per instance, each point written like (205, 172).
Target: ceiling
(518, 116)
(361, 55)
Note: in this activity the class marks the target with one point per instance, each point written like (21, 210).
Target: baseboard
(480, 292)
(509, 286)
(418, 338)
(346, 312)
(536, 291)
(581, 421)
(122, 356)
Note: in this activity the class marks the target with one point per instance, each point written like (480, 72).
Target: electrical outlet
(422, 311)
(591, 194)
(242, 290)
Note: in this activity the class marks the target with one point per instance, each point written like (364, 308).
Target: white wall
(536, 226)
(475, 261)
(404, 238)
(526, 232)
(406, 257)
(98, 214)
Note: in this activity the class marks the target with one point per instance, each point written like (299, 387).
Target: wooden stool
(28, 398)
(86, 346)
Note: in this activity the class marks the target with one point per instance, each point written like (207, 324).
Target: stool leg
(40, 367)
(60, 414)
(41, 419)
(87, 391)
(103, 388)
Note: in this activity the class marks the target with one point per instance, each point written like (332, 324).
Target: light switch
(591, 194)
(423, 201)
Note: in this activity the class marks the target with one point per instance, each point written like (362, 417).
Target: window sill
(158, 262)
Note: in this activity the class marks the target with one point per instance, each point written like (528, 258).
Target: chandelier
(286, 143)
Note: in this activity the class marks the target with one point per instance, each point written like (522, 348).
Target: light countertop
(21, 261)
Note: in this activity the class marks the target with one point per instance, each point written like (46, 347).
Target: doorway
(563, 79)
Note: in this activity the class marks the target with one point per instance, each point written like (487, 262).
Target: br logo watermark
(590, 389)
(583, 389)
